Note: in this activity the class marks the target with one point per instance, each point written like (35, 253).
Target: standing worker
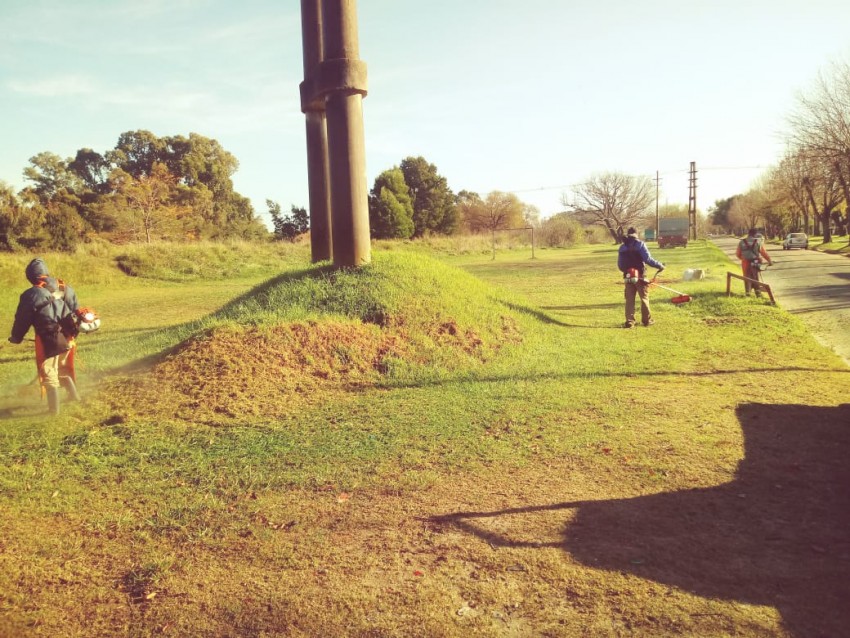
(631, 260)
(751, 251)
(48, 307)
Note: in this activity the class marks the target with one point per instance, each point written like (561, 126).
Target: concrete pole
(657, 184)
(346, 139)
(318, 166)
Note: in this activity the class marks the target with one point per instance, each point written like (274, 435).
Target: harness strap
(56, 295)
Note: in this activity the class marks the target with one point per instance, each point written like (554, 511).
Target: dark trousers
(641, 289)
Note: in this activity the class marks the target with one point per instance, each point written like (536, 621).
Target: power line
(667, 172)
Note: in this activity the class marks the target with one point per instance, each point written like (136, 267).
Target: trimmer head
(680, 296)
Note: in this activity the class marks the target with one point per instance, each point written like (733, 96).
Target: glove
(661, 268)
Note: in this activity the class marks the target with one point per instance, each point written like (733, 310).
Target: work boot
(71, 388)
(53, 401)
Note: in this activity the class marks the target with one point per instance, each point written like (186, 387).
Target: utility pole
(331, 98)
(657, 184)
(692, 200)
(313, 106)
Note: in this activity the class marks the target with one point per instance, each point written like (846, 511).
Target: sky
(525, 96)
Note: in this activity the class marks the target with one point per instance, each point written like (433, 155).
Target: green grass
(301, 523)
(838, 245)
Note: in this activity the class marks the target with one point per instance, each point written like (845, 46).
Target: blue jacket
(43, 307)
(634, 254)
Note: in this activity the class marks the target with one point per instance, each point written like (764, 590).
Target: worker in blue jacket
(632, 259)
(48, 307)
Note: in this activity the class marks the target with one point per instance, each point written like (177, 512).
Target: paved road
(814, 286)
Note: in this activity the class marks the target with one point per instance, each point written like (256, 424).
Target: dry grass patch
(272, 371)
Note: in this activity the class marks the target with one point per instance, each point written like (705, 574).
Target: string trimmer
(680, 298)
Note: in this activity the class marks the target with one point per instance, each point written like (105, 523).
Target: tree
(434, 207)
(825, 195)
(746, 211)
(290, 226)
(499, 210)
(203, 170)
(91, 172)
(242, 222)
(149, 202)
(718, 213)
(531, 215)
(789, 178)
(561, 230)
(190, 197)
(390, 207)
(50, 175)
(202, 163)
(92, 169)
(10, 217)
(612, 200)
(820, 135)
(772, 206)
(820, 124)
(65, 228)
(136, 153)
(467, 203)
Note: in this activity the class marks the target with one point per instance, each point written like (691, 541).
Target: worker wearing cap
(48, 307)
(632, 259)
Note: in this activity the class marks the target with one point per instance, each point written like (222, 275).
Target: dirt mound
(233, 372)
(237, 372)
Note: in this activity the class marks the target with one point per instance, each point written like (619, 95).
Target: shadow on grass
(545, 318)
(777, 535)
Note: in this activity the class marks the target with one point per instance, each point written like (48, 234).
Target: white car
(796, 240)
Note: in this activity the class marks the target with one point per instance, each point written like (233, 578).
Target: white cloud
(53, 87)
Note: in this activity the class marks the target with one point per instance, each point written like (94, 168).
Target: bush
(561, 232)
(597, 235)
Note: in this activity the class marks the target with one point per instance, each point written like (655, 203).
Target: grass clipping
(398, 321)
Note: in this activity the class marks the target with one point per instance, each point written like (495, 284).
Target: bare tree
(774, 206)
(789, 179)
(825, 194)
(746, 211)
(612, 200)
(820, 130)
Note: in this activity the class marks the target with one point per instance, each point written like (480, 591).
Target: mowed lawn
(690, 478)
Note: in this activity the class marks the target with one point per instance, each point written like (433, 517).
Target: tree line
(808, 190)
(145, 188)
(413, 200)
(150, 188)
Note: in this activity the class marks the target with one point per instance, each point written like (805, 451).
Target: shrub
(560, 232)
